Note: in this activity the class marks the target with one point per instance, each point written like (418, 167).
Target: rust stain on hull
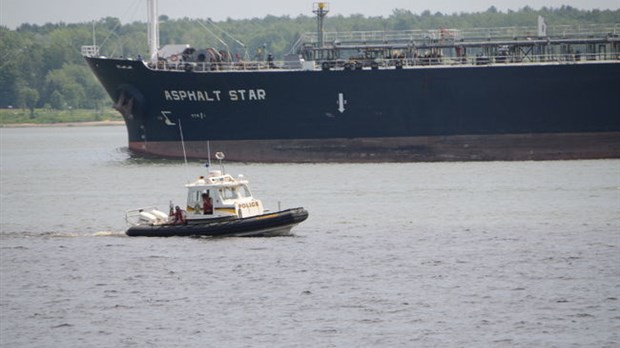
(509, 147)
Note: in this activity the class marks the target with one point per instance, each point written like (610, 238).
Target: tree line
(42, 66)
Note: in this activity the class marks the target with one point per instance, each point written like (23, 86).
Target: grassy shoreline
(45, 117)
(64, 124)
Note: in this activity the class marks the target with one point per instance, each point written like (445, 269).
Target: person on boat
(207, 204)
(179, 216)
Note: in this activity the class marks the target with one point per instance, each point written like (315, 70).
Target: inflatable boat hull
(271, 224)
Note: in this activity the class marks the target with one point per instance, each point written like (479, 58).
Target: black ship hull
(433, 113)
(272, 224)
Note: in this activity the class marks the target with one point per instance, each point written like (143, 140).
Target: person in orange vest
(179, 216)
(207, 204)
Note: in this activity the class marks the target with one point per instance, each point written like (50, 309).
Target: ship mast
(320, 9)
(153, 29)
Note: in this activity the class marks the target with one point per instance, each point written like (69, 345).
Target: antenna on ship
(153, 30)
(320, 9)
(183, 146)
(208, 155)
(94, 36)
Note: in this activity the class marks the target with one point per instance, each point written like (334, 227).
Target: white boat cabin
(228, 196)
(218, 195)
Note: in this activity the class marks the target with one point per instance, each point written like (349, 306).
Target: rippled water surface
(492, 254)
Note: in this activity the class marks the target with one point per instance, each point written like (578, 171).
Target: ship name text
(215, 95)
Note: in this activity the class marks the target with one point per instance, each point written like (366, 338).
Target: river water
(478, 254)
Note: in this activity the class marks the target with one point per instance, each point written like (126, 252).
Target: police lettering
(248, 205)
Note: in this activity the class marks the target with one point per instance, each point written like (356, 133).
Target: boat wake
(61, 234)
(81, 234)
(110, 234)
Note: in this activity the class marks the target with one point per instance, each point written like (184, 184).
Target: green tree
(57, 101)
(60, 80)
(29, 97)
(11, 47)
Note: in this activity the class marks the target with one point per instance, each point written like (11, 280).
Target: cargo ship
(517, 93)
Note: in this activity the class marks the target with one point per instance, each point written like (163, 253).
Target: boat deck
(424, 48)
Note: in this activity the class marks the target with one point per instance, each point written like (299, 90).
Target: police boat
(218, 205)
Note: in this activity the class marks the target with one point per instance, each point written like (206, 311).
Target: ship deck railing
(431, 60)
(216, 66)
(421, 61)
(464, 35)
(483, 60)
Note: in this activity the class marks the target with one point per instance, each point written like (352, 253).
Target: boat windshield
(235, 192)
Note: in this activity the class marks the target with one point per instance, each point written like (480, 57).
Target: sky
(13, 13)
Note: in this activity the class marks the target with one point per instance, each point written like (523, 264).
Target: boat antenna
(208, 155)
(94, 35)
(183, 145)
(220, 156)
(320, 9)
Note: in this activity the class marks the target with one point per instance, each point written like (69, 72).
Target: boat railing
(371, 36)
(473, 34)
(484, 60)
(216, 66)
(584, 30)
(556, 31)
(146, 215)
(423, 59)
(297, 45)
(90, 51)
